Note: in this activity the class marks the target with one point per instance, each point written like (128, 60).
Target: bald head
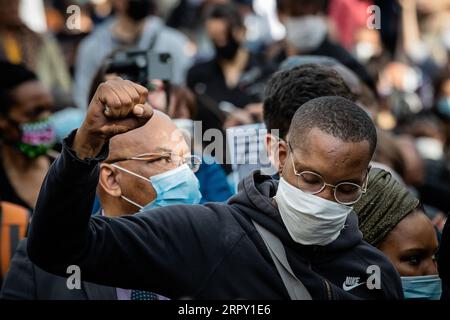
(159, 134)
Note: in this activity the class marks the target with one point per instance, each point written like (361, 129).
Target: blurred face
(218, 30)
(33, 102)
(336, 161)
(367, 44)
(225, 40)
(164, 147)
(306, 26)
(411, 246)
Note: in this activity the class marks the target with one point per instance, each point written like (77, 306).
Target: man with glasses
(346, 193)
(140, 165)
(217, 251)
(147, 168)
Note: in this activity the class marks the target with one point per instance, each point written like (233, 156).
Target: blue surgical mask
(176, 186)
(422, 287)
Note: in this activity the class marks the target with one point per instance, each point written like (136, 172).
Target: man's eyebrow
(300, 167)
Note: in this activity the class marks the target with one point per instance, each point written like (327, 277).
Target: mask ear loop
(132, 202)
(130, 172)
(133, 174)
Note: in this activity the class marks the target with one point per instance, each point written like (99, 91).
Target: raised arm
(59, 229)
(163, 250)
(62, 232)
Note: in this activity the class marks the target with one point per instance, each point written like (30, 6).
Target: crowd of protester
(358, 92)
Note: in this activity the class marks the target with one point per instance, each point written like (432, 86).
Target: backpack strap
(295, 288)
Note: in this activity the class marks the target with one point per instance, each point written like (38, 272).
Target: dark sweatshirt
(210, 251)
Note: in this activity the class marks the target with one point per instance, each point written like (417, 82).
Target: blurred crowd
(391, 57)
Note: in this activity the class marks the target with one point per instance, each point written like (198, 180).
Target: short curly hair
(336, 116)
(287, 90)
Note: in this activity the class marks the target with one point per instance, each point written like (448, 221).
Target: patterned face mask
(36, 138)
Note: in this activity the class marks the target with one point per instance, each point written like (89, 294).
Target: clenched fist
(118, 106)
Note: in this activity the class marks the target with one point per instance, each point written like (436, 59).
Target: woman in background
(398, 226)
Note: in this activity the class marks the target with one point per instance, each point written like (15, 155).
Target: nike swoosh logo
(348, 288)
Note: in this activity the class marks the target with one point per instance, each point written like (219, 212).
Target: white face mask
(430, 148)
(309, 219)
(306, 33)
(364, 50)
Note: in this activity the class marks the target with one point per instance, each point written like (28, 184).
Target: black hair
(407, 124)
(287, 90)
(335, 116)
(228, 12)
(321, 5)
(11, 76)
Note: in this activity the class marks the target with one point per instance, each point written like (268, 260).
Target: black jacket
(26, 281)
(203, 252)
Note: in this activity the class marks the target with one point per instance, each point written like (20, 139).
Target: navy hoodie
(210, 251)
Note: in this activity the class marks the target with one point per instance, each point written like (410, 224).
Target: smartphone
(159, 66)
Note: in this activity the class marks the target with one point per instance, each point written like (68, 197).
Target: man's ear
(282, 155)
(108, 180)
(276, 151)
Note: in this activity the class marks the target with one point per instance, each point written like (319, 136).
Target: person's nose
(327, 193)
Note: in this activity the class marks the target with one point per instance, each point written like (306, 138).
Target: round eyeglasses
(346, 193)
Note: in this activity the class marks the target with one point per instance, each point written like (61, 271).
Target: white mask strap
(130, 172)
(133, 174)
(132, 202)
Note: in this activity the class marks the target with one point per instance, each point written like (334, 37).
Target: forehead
(155, 136)
(217, 26)
(414, 231)
(329, 156)
(31, 92)
(415, 227)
